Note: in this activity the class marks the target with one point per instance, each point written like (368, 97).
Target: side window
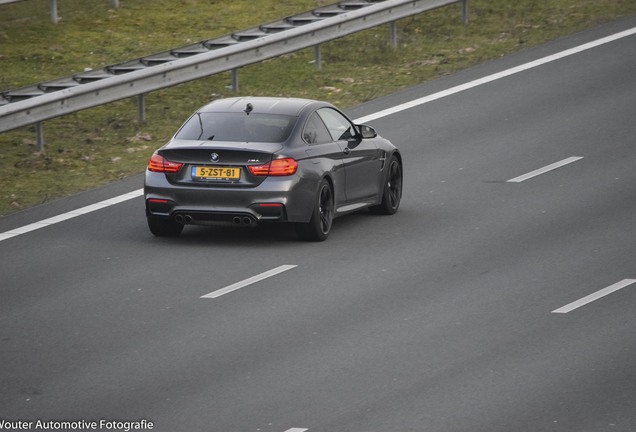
(339, 127)
(315, 131)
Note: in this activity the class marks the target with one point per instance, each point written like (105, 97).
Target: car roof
(263, 105)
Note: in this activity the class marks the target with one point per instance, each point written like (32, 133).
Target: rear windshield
(237, 127)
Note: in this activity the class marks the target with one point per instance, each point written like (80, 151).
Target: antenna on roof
(248, 109)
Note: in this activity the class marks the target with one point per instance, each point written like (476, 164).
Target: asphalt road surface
(501, 297)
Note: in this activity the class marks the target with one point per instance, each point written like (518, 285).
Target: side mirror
(367, 131)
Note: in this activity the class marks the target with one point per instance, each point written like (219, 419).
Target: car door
(362, 162)
(326, 154)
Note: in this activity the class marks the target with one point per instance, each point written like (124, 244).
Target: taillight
(158, 163)
(277, 167)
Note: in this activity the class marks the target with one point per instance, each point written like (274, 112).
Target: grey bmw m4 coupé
(248, 161)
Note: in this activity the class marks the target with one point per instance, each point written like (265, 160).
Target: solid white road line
(74, 213)
(296, 430)
(246, 282)
(496, 76)
(597, 295)
(545, 169)
(368, 118)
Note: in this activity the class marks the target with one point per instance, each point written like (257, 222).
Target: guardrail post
(465, 11)
(317, 57)
(141, 108)
(54, 16)
(393, 34)
(235, 84)
(39, 137)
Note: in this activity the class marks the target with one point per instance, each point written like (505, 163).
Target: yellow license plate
(216, 173)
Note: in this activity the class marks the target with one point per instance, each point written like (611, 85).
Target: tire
(319, 226)
(164, 227)
(392, 193)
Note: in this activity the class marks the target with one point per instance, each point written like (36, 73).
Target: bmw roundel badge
(214, 157)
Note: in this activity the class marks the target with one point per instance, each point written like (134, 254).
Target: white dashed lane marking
(595, 296)
(545, 169)
(250, 281)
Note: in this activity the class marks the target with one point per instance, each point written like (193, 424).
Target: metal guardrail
(47, 100)
(53, 5)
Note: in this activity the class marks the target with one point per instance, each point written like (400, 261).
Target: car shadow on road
(258, 236)
(235, 235)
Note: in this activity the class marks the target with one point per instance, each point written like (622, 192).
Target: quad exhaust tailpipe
(212, 219)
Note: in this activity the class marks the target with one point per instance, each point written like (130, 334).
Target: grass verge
(100, 145)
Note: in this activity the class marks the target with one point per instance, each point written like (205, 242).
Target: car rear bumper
(276, 199)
